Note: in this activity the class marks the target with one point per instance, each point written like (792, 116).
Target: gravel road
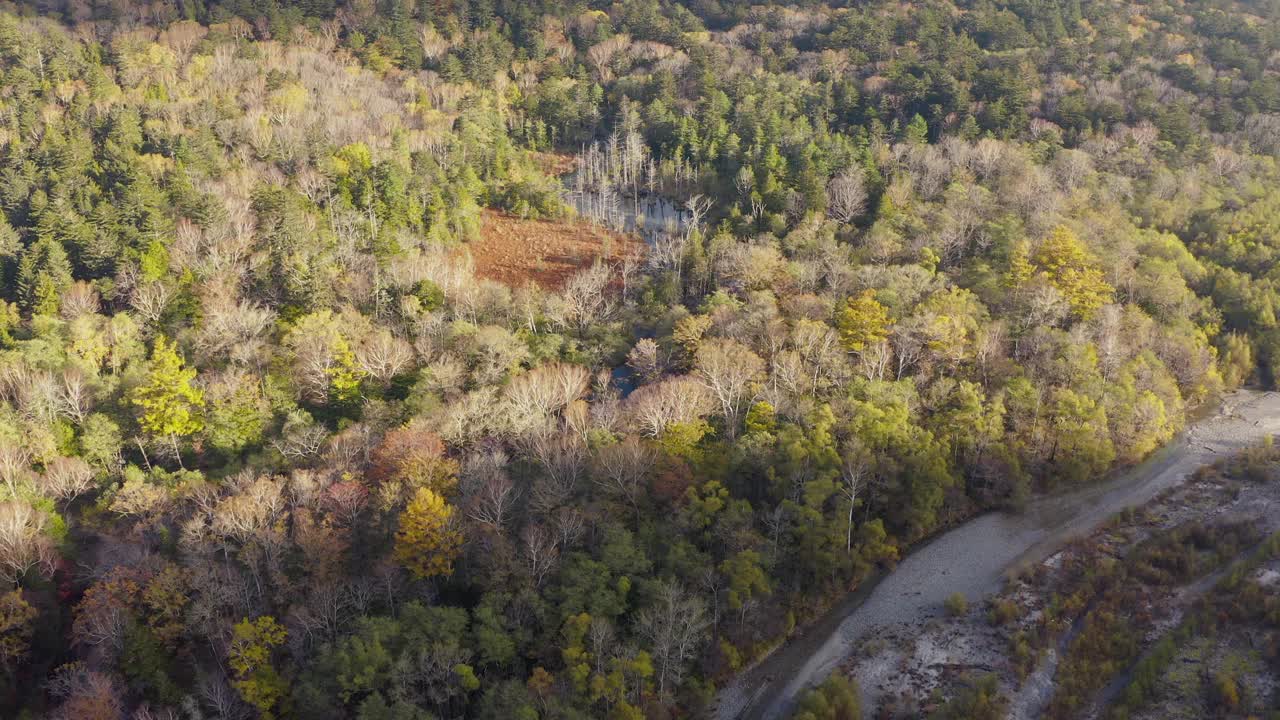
(974, 558)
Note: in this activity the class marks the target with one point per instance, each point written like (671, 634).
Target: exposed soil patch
(555, 164)
(515, 251)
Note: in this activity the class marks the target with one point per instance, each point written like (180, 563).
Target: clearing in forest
(515, 251)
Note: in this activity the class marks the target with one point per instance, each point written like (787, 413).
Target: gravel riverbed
(975, 557)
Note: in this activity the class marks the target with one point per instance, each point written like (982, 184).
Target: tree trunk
(173, 439)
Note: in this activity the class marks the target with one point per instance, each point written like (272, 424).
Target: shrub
(1003, 611)
(837, 698)
(956, 604)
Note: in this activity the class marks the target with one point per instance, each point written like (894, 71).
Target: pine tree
(43, 274)
(917, 132)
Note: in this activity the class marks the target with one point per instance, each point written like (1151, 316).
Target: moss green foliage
(837, 698)
(1238, 603)
(1112, 625)
(1106, 602)
(979, 698)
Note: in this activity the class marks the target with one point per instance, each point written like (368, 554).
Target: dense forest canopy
(270, 448)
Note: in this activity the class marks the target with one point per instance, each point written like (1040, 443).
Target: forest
(271, 448)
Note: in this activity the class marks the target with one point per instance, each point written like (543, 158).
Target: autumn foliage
(427, 541)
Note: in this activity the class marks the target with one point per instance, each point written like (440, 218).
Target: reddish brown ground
(513, 251)
(555, 164)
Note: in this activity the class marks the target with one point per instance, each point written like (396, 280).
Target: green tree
(917, 132)
(1082, 446)
(44, 273)
(17, 625)
(237, 416)
(1235, 360)
(1020, 269)
(746, 578)
(345, 375)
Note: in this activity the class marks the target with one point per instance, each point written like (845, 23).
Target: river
(974, 558)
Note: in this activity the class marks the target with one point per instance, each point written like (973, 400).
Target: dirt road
(973, 558)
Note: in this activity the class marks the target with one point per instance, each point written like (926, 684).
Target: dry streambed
(1067, 634)
(974, 559)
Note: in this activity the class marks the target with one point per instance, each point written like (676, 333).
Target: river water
(974, 558)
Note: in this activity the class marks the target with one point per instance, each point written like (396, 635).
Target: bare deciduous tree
(653, 407)
(221, 698)
(729, 370)
(622, 467)
(23, 542)
(383, 355)
(847, 196)
(346, 500)
(85, 693)
(74, 397)
(150, 299)
(301, 437)
(32, 391)
(490, 496)
(854, 469)
(230, 328)
(535, 395)
(563, 458)
(15, 466)
(570, 525)
(646, 360)
(674, 627)
(252, 511)
(540, 550)
(77, 300)
(66, 478)
(586, 296)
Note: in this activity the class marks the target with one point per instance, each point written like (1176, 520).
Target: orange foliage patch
(514, 251)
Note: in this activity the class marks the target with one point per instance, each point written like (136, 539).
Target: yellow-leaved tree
(862, 322)
(427, 542)
(1073, 270)
(256, 679)
(170, 404)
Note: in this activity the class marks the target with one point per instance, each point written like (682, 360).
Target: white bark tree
(730, 370)
(652, 408)
(23, 543)
(674, 627)
(847, 196)
(622, 467)
(65, 478)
